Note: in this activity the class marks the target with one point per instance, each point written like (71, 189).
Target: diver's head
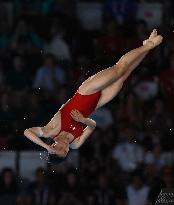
(61, 144)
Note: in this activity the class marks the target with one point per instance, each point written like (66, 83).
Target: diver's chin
(62, 155)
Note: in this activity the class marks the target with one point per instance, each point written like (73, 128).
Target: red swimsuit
(85, 104)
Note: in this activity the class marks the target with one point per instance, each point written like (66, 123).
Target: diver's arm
(82, 138)
(91, 124)
(34, 135)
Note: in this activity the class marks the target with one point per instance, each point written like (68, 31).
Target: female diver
(66, 127)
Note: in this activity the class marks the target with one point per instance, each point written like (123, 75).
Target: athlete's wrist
(83, 120)
(46, 146)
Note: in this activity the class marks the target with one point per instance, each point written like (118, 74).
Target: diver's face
(61, 149)
(61, 146)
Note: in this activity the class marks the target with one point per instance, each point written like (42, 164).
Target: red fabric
(86, 104)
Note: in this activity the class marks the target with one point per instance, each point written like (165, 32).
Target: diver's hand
(77, 116)
(51, 149)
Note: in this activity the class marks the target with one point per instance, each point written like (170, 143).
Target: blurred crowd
(45, 54)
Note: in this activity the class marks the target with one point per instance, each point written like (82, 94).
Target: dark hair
(55, 159)
(13, 184)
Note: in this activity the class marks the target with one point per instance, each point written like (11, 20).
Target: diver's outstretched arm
(91, 124)
(33, 134)
(82, 138)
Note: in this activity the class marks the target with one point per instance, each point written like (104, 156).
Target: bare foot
(153, 40)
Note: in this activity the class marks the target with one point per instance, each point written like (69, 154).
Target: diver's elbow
(26, 131)
(94, 126)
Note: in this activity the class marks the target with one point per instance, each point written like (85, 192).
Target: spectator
(24, 38)
(49, 76)
(103, 117)
(7, 116)
(165, 181)
(8, 187)
(137, 191)
(4, 15)
(72, 183)
(39, 191)
(111, 42)
(158, 118)
(4, 39)
(103, 194)
(80, 71)
(57, 45)
(66, 8)
(35, 109)
(136, 38)
(122, 10)
(32, 7)
(2, 77)
(147, 87)
(69, 199)
(128, 153)
(158, 158)
(63, 95)
(166, 81)
(129, 111)
(17, 76)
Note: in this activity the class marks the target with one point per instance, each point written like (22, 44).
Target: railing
(24, 163)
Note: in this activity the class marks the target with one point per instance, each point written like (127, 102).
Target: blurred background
(47, 48)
